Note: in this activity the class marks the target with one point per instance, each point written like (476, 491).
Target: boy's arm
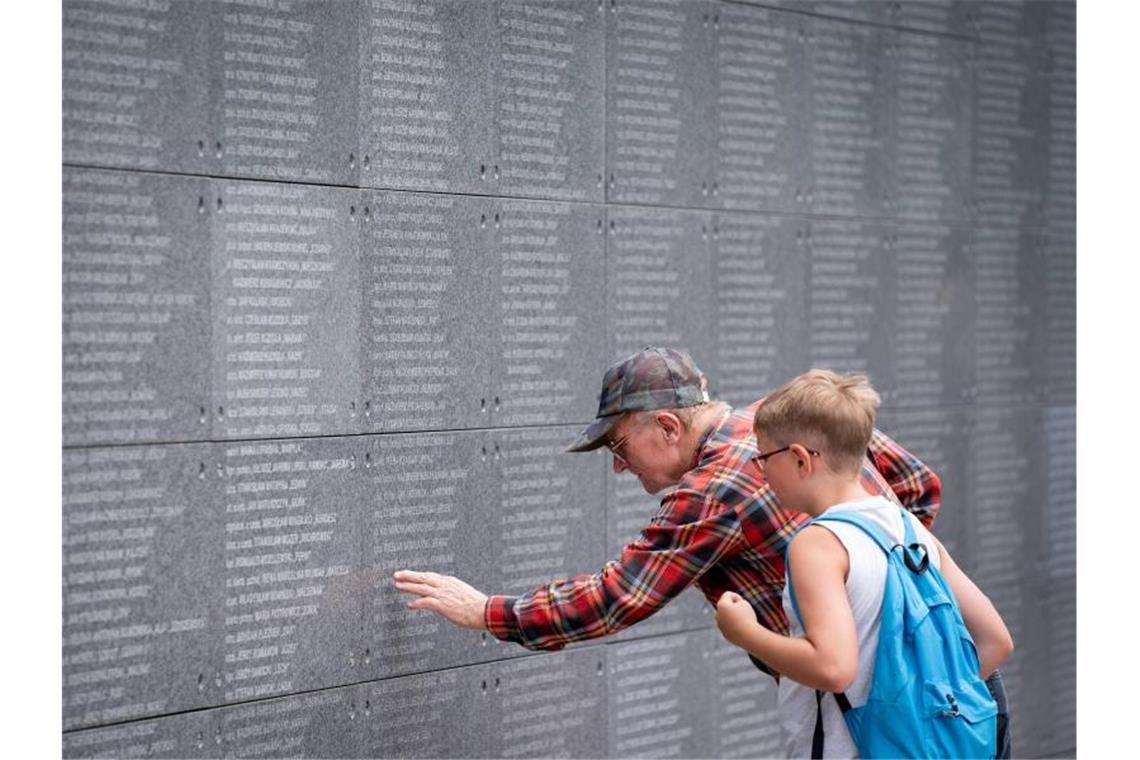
(827, 657)
(991, 637)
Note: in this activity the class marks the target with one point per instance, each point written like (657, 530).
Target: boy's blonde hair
(822, 410)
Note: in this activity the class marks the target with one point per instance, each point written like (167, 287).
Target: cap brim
(594, 436)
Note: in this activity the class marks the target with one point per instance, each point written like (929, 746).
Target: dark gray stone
(761, 109)
(1058, 719)
(761, 280)
(189, 735)
(548, 295)
(549, 520)
(742, 704)
(429, 507)
(285, 268)
(853, 299)
(549, 75)
(947, 17)
(327, 724)
(292, 575)
(1007, 490)
(659, 283)
(550, 705)
(427, 303)
(426, 94)
(854, 10)
(1010, 158)
(851, 112)
(1060, 282)
(135, 86)
(1008, 22)
(136, 302)
(936, 304)
(660, 89)
(1059, 518)
(1060, 206)
(940, 437)
(782, 5)
(285, 104)
(656, 691)
(441, 714)
(140, 620)
(931, 148)
(629, 510)
(1010, 318)
(1028, 673)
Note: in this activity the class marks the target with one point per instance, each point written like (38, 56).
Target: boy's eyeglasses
(760, 459)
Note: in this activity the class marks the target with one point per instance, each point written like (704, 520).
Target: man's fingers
(415, 576)
(421, 589)
(429, 603)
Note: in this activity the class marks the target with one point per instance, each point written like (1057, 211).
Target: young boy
(812, 434)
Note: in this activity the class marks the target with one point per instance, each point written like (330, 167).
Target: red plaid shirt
(720, 528)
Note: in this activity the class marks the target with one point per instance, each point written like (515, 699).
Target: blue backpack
(926, 697)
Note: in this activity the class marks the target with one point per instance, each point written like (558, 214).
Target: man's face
(642, 445)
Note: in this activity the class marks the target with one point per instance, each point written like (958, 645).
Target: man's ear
(671, 425)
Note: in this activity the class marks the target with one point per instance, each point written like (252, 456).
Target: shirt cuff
(500, 619)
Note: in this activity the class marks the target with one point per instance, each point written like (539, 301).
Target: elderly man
(719, 524)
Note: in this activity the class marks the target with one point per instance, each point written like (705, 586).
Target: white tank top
(867, 573)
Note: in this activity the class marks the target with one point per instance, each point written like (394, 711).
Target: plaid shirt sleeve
(914, 484)
(681, 543)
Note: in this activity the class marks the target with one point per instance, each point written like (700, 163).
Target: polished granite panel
(761, 277)
(281, 107)
(549, 78)
(136, 91)
(660, 88)
(426, 309)
(285, 268)
(546, 267)
(142, 539)
(136, 302)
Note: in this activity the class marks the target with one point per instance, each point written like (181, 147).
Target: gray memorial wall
(340, 280)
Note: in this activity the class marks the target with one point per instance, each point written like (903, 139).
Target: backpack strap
(866, 525)
(915, 555)
(859, 521)
(817, 732)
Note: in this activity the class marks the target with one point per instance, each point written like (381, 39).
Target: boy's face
(779, 465)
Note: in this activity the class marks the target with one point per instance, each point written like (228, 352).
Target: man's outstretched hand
(445, 594)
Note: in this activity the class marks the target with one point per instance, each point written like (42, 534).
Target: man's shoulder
(736, 425)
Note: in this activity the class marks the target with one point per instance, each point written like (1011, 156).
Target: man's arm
(667, 558)
(827, 657)
(915, 485)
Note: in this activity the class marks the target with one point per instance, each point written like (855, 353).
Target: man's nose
(619, 465)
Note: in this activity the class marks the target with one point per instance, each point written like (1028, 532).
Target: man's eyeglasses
(760, 459)
(615, 446)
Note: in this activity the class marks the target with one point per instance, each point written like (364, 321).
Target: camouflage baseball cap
(653, 378)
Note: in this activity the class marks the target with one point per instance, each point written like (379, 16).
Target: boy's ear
(804, 461)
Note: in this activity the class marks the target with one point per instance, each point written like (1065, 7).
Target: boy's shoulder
(814, 539)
